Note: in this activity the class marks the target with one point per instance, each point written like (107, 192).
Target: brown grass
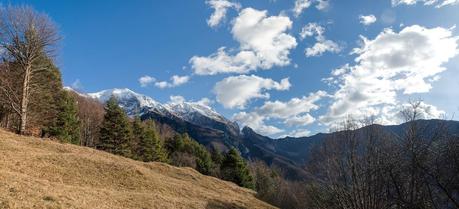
(36, 173)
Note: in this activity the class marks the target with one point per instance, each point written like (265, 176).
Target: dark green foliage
(183, 144)
(235, 169)
(45, 100)
(115, 132)
(148, 146)
(66, 126)
(217, 159)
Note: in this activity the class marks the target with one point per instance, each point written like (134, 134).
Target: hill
(38, 173)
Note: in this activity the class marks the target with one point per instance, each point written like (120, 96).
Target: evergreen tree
(159, 152)
(217, 160)
(235, 169)
(140, 151)
(184, 144)
(47, 101)
(115, 132)
(67, 125)
(148, 146)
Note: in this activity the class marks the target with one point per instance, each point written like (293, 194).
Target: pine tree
(159, 152)
(47, 100)
(148, 147)
(235, 169)
(67, 125)
(183, 144)
(115, 132)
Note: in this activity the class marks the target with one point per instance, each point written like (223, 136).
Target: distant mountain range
(215, 131)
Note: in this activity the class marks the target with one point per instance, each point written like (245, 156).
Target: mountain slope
(213, 130)
(199, 121)
(45, 174)
(298, 149)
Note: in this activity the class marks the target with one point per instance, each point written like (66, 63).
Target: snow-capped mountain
(132, 102)
(187, 110)
(202, 115)
(137, 104)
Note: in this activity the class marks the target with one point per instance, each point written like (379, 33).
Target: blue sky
(410, 53)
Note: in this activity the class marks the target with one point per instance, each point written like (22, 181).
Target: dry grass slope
(46, 174)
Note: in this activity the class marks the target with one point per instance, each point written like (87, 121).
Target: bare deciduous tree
(25, 36)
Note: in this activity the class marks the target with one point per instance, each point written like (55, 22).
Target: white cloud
(292, 108)
(175, 81)
(295, 112)
(427, 111)
(322, 4)
(146, 80)
(388, 67)
(263, 42)
(303, 120)
(257, 123)
(301, 5)
(220, 8)
(237, 91)
(176, 99)
(437, 3)
(322, 45)
(205, 102)
(367, 19)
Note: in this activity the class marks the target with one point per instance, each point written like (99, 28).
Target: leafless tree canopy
(370, 169)
(25, 37)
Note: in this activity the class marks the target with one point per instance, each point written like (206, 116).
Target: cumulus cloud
(146, 80)
(176, 99)
(301, 5)
(257, 123)
(205, 102)
(263, 42)
(387, 67)
(293, 108)
(437, 3)
(220, 8)
(367, 19)
(295, 112)
(322, 45)
(175, 81)
(237, 91)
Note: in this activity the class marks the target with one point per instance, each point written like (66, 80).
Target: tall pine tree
(67, 124)
(235, 169)
(147, 146)
(159, 152)
(115, 132)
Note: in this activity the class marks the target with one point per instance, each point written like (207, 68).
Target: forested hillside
(61, 148)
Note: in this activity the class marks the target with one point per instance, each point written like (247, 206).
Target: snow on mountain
(188, 110)
(132, 102)
(138, 104)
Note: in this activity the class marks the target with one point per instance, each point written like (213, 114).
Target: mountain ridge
(216, 132)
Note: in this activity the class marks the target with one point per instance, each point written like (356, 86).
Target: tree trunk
(25, 99)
